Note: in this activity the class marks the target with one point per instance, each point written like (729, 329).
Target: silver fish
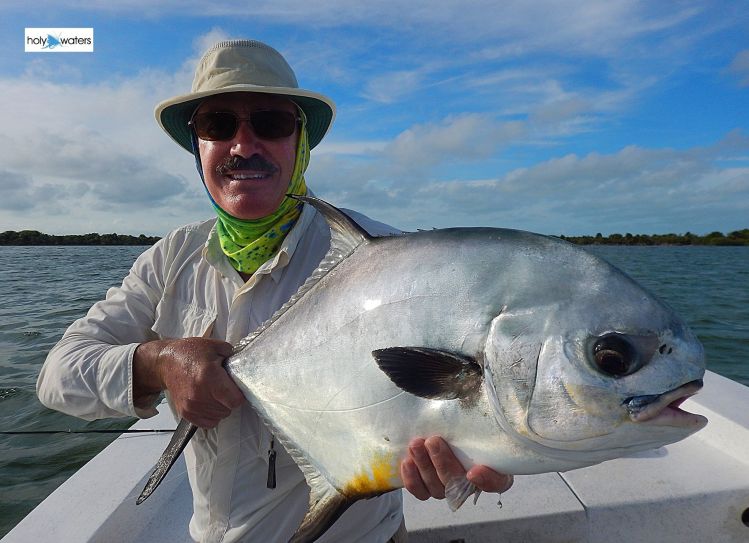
(526, 353)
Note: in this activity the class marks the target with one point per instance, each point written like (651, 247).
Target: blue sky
(558, 117)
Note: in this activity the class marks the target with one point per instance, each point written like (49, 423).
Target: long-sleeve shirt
(181, 287)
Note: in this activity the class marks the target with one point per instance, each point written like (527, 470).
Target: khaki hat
(243, 66)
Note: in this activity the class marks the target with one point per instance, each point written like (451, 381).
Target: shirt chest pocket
(176, 318)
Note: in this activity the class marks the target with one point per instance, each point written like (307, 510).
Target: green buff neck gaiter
(249, 243)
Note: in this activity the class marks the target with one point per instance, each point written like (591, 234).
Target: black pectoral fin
(182, 435)
(430, 373)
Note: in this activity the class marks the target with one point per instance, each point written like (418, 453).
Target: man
(208, 284)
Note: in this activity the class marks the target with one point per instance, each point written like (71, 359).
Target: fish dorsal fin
(430, 373)
(346, 234)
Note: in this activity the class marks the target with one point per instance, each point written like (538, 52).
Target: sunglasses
(268, 124)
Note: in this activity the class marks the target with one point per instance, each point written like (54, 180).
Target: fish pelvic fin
(326, 505)
(181, 437)
(431, 373)
(346, 234)
(457, 491)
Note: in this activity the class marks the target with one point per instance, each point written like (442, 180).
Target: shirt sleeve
(88, 374)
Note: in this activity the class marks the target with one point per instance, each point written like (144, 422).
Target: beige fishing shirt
(185, 287)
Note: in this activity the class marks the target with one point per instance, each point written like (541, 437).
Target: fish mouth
(663, 409)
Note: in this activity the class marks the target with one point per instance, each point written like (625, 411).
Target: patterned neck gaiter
(249, 243)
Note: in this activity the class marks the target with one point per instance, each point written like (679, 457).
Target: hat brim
(174, 114)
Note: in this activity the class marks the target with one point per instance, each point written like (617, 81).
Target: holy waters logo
(59, 40)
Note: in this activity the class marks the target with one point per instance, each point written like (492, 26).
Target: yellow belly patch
(380, 476)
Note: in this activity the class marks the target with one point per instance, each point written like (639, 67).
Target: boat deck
(695, 490)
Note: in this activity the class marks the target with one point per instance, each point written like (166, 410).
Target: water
(43, 289)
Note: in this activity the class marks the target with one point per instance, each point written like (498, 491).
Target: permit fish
(525, 352)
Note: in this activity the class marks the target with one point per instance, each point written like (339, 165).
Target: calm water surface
(43, 289)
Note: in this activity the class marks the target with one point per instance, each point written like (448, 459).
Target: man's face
(254, 189)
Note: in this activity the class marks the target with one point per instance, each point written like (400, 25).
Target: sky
(559, 117)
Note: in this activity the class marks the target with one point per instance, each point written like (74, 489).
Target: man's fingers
(235, 398)
(445, 463)
(422, 458)
(412, 480)
(224, 349)
(449, 467)
(203, 415)
(489, 480)
(431, 464)
(201, 421)
(202, 391)
(227, 393)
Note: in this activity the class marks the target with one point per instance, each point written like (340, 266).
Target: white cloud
(389, 87)
(740, 67)
(356, 148)
(19, 193)
(77, 153)
(635, 190)
(456, 138)
(207, 40)
(560, 110)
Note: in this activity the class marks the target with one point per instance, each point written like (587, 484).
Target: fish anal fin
(326, 505)
(181, 437)
(430, 373)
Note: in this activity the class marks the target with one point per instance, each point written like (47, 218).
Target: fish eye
(614, 355)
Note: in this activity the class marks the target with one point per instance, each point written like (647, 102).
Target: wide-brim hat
(243, 66)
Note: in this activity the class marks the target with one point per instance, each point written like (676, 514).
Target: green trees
(737, 237)
(34, 237)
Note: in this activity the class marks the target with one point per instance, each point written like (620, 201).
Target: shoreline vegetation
(737, 237)
(33, 237)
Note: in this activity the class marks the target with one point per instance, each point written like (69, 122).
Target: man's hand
(191, 370)
(431, 464)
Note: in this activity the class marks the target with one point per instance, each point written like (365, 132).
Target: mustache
(255, 162)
